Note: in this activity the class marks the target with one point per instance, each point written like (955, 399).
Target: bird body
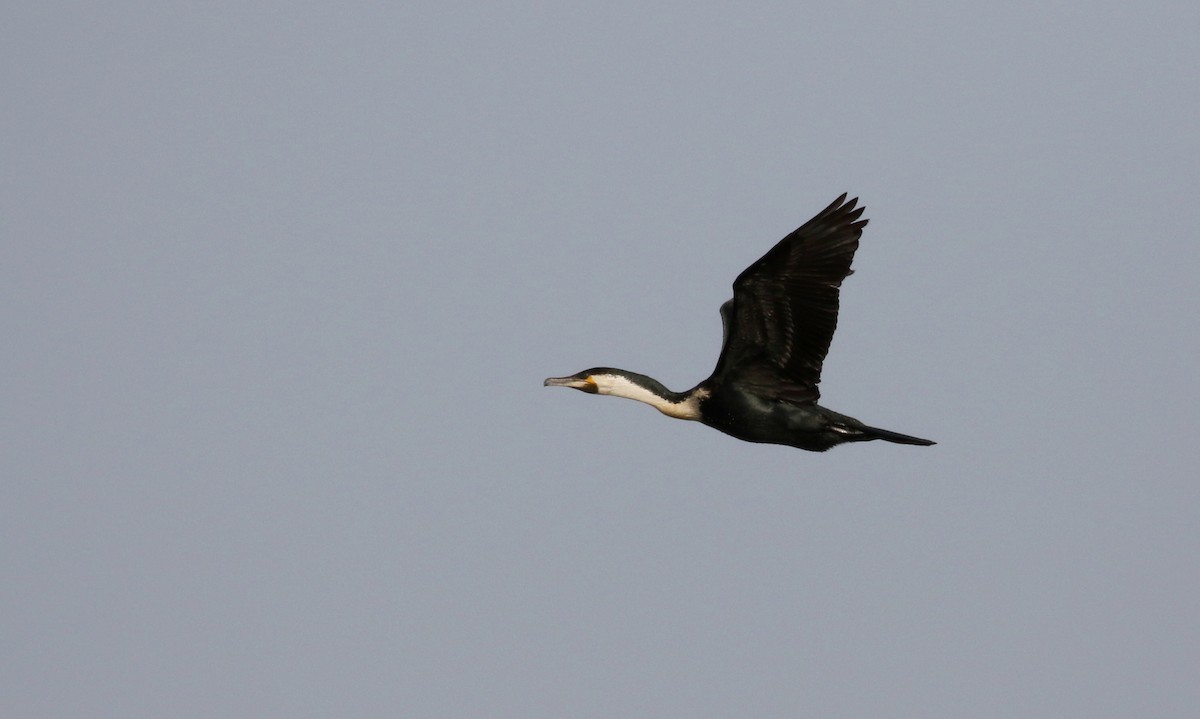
(777, 330)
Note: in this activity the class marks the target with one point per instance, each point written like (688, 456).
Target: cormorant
(777, 331)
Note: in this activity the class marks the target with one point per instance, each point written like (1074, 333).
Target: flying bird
(777, 332)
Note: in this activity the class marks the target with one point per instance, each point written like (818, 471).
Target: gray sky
(280, 285)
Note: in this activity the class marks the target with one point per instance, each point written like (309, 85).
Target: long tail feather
(876, 433)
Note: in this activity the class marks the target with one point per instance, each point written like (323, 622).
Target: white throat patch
(688, 408)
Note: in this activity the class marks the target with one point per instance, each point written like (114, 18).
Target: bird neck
(630, 385)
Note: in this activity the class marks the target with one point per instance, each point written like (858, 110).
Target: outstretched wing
(784, 308)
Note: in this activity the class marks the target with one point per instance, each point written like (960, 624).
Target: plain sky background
(279, 284)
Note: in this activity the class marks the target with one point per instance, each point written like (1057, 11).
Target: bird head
(584, 381)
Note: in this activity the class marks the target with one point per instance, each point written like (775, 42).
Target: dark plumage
(777, 332)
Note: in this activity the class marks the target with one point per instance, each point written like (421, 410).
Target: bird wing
(784, 308)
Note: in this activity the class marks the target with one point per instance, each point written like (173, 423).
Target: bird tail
(876, 433)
